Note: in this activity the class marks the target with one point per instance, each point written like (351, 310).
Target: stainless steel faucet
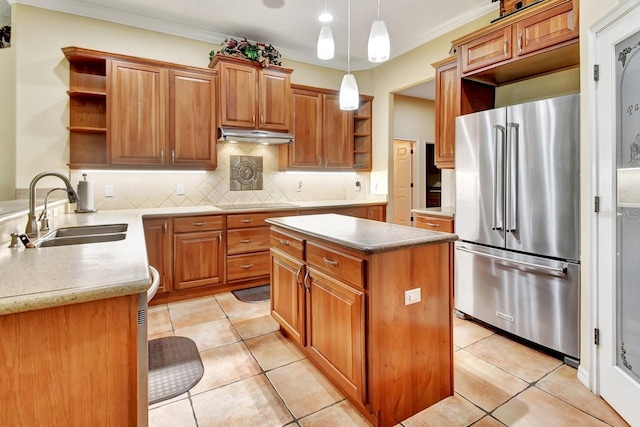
(32, 224)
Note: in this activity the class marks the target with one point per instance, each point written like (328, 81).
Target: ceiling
(291, 26)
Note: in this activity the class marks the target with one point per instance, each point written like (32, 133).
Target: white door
(402, 181)
(615, 121)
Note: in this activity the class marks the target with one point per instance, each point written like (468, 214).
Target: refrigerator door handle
(494, 206)
(511, 193)
(562, 269)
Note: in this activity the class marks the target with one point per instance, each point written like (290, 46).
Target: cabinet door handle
(504, 47)
(306, 281)
(330, 261)
(261, 120)
(164, 226)
(284, 242)
(431, 224)
(298, 275)
(173, 156)
(161, 155)
(246, 221)
(219, 238)
(519, 42)
(326, 160)
(319, 160)
(198, 224)
(246, 241)
(253, 119)
(246, 266)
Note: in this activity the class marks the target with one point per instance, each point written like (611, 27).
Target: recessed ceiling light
(325, 17)
(273, 4)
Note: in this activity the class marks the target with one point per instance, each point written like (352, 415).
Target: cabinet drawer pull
(284, 242)
(246, 266)
(330, 261)
(246, 241)
(198, 224)
(431, 224)
(504, 47)
(246, 221)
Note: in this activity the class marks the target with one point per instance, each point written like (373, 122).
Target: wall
(414, 118)
(42, 79)
(7, 123)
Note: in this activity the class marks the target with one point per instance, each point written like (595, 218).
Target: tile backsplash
(143, 189)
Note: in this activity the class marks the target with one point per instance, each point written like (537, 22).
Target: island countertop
(361, 234)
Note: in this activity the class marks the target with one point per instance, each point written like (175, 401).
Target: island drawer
(340, 265)
(247, 240)
(248, 266)
(288, 244)
(254, 219)
(435, 224)
(188, 224)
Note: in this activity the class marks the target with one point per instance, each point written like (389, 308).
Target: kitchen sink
(78, 240)
(89, 230)
(84, 234)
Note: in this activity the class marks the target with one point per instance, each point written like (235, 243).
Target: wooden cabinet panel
(447, 109)
(275, 102)
(546, 29)
(157, 234)
(346, 267)
(306, 151)
(357, 211)
(288, 297)
(198, 223)
(247, 240)
(434, 223)
(192, 119)
(338, 146)
(238, 95)
(290, 245)
(137, 102)
(486, 50)
(247, 266)
(336, 333)
(377, 213)
(198, 259)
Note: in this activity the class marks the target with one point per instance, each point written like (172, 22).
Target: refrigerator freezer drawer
(534, 298)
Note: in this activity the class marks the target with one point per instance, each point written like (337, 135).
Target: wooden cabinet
(160, 115)
(325, 137)
(356, 328)
(357, 211)
(455, 97)
(534, 41)
(252, 96)
(377, 213)
(158, 238)
(198, 259)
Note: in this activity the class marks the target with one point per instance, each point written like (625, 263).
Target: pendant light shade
(349, 96)
(326, 46)
(379, 43)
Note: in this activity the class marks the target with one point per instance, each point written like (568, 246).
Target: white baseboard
(583, 376)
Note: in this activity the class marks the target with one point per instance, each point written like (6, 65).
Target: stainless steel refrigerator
(517, 215)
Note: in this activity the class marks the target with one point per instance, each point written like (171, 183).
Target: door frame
(602, 183)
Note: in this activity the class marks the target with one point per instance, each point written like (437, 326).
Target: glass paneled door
(616, 157)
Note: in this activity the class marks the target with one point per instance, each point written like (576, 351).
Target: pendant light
(379, 44)
(326, 46)
(349, 96)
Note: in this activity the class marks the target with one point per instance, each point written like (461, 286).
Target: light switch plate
(180, 190)
(108, 191)
(412, 296)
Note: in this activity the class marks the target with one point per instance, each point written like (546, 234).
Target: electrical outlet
(108, 191)
(412, 296)
(180, 190)
(358, 186)
(299, 188)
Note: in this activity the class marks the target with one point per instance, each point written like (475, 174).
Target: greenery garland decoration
(263, 53)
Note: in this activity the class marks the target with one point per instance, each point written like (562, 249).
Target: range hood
(226, 134)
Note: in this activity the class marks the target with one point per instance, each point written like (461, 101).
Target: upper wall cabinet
(325, 137)
(252, 96)
(134, 112)
(540, 39)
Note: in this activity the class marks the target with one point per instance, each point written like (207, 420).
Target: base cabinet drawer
(340, 265)
(247, 240)
(247, 266)
(434, 224)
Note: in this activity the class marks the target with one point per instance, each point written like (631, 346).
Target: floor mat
(174, 367)
(257, 294)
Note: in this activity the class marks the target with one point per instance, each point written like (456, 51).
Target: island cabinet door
(335, 331)
(288, 294)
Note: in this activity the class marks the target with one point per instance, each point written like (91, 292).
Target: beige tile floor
(256, 377)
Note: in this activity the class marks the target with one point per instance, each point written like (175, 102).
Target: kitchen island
(370, 304)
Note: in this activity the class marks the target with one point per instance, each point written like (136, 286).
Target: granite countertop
(361, 234)
(54, 276)
(444, 211)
